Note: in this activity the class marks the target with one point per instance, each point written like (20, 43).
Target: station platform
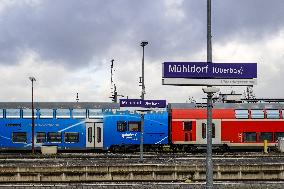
(155, 168)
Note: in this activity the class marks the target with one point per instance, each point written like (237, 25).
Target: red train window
(266, 136)
(250, 137)
(278, 135)
(187, 125)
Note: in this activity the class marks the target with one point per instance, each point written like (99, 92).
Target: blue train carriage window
(54, 137)
(90, 135)
(99, 134)
(1, 113)
(13, 113)
(63, 113)
(27, 113)
(46, 113)
(272, 114)
(94, 113)
(257, 114)
(134, 126)
(79, 113)
(242, 114)
(19, 137)
(40, 137)
(71, 137)
(121, 126)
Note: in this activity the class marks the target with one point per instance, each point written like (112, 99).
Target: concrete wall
(140, 173)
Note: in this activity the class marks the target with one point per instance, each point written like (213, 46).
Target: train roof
(59, 105)
(228, 105)
(110, 105)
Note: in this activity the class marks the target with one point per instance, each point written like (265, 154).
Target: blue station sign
(142, 103)
(199, 70)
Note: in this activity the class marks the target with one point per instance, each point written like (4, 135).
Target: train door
(187, 128)
(94, 134)
(201, 134)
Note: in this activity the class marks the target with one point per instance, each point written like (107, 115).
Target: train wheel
(116, 149)
(224, 148)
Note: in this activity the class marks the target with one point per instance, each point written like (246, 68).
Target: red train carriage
(234, 125)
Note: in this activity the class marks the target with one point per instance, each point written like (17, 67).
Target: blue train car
(122, 130)
(69, 126)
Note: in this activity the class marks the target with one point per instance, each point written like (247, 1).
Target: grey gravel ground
(218, 185)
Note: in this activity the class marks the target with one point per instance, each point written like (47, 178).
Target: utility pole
(33, 119)
(114, 95)
(209, 163)
(210, 91)
(142, 79)
(111, 71)
(77, 97)
(113, 87)
(209, 43)
(142, 137)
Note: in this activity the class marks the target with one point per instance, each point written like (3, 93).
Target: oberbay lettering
(227, 70)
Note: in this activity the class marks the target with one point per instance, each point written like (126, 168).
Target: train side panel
(63, 133)
(186, 124)
(246, 133)
(123, 128)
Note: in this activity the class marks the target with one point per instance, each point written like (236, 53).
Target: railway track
(135, 155)
(83, 159)
(164, 185)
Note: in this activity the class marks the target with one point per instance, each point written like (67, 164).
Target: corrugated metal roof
(59, 105)
(109, 105)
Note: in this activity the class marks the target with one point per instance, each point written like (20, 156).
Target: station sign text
(143, 103)
(209, 70)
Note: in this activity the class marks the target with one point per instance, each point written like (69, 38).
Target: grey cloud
(249, 20)
(76, 32)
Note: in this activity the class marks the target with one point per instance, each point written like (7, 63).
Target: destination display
(142, 103)
(209, 70)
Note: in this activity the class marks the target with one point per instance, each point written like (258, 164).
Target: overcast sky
(67, 45)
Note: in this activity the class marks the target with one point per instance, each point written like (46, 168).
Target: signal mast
(113, 92)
